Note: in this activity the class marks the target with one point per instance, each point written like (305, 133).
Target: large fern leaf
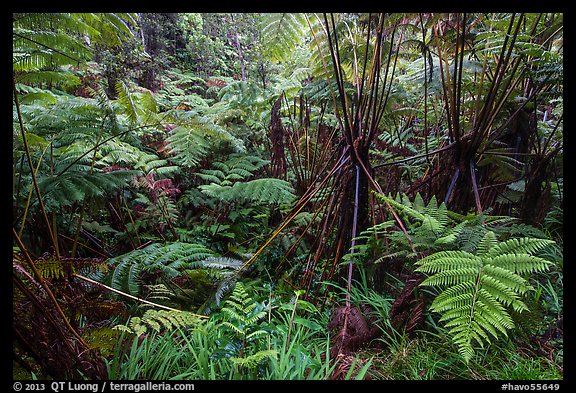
(159, 320)
(193, 140)
(267, 191)
(281, 33)
(75, 186)
(479, 288)
(169, 259)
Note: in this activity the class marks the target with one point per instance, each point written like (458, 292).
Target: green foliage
(228, 182)
(155, 356)
(169, 260)
(197, 137)
(76, 186)
(432, 227)
(159, 321)
(282, 32)
(480, 287)
(183, 90)
(139, 107)
(241, 313)
(165, 134)
(266, 191)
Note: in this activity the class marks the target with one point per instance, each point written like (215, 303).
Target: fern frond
(478, 288)
(281, 33)
(268, 191)
(253, 360)
(171, 259)
(520, 263)
(242, 314)
(75, 186)
(194, 140)
(159, 320)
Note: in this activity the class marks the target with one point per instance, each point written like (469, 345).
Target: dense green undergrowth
(288, 196)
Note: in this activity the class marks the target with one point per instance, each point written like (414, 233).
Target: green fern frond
(228, 182)
(74, 186)
(138, 106)
(478, 288)
(241, 314)
(193, 140)
(520, 245)
(159, 320)
(253, 360)
(282, 32)
(267, 191)
(171, 259)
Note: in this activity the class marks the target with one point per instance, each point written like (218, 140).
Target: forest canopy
(335, 196)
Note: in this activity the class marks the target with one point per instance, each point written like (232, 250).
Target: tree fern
(53, 40)
(479, 288)
(241, 313)
(228, 182)
(267, 191)
(433, 227)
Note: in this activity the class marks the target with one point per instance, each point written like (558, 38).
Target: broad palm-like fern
(195, 137)
(78, 186)
(169, 259)
(209, 271)
(45, 43)
(281, 33)
(479, 287)
(228, 182)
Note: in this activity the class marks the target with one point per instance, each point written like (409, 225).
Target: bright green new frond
(160, 320)
(242, 314)
(451, 277)
(503, 293)
(508, 278)
(479, 288)
(253, 360)
(448, 259)
(488, 241)
(450, 298)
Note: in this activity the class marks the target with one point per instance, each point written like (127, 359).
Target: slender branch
(46, 288)
(48, 47)
(354, 229)
(34, 180)
(475, 187)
